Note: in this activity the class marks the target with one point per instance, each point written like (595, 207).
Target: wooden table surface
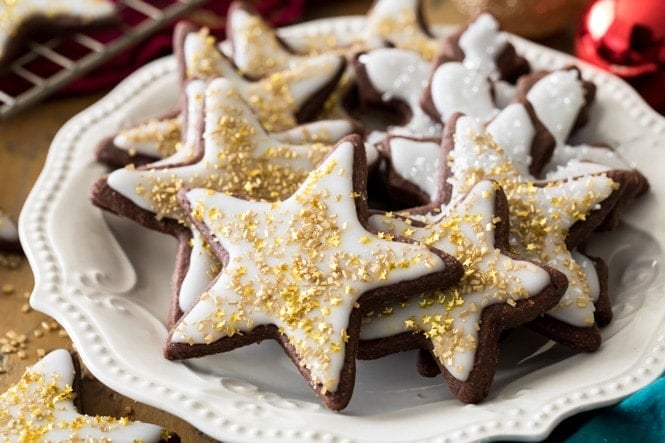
(24, 141)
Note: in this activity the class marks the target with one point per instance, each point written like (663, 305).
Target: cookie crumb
(10, 261)
(8, 289)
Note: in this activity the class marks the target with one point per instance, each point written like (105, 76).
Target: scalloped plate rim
(49, 281)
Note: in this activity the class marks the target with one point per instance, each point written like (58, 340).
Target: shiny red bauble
(627, 38)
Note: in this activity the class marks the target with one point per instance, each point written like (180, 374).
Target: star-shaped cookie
(282, 97)
(238, 157)
(21, 18)
(461, 325)
(547, 219)
(280, 100)
(40, 407)
(301, 271)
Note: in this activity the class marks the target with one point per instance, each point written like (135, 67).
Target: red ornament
(627, 38)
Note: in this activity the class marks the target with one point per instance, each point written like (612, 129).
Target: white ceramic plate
(107, 280)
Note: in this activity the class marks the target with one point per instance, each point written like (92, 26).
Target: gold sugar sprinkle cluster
(17, 343)
(531, 228)
(166, 134)
(308, 287)
(31, 409)
(405, 31)
(238, 170)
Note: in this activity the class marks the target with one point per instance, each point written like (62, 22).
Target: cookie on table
(9, 241)
(547, 220)
(41, 406)
(21, 19)
(461, 325)
(302, 271)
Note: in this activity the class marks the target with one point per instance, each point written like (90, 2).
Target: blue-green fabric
(638, 418)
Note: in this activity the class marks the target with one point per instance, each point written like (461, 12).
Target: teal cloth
(639, 417)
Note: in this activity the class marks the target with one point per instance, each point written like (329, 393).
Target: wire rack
(28, 86)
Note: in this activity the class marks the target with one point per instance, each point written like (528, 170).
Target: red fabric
(212, 14)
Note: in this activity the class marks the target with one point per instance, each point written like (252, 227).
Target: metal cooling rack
(34, 87)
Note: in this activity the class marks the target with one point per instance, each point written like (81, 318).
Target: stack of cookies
(357, 195)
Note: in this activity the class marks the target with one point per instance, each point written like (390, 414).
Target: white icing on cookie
(256, 50)
(513, 130)
(40, 408)
(540, 213)
(456, 88)
(239, 157)
(188, 146)
(575, 168)
(398, 74)
(301, 264)
(589, 269)
(557, 99)
(203, 267)
(418, 162)
(203, 59)
(567, 155)
(154, 138)
(14, 14)
(504, 93)
(321, 131)
(399, 22)
(326, 132)
(482, 43)
(450, 318)
(275, 98)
